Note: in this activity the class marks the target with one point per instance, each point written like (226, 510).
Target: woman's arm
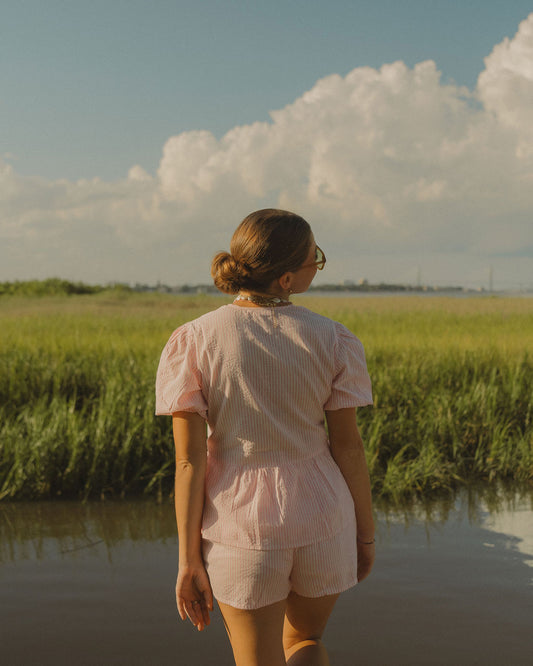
(348, 452)
(193, 591)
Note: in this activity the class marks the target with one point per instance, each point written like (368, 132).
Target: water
(92, 584)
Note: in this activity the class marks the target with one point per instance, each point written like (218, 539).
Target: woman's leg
(255, 635)
(305, 621)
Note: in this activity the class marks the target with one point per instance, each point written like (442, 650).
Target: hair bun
(229, 274)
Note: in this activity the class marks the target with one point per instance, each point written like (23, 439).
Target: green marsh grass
(452, 378)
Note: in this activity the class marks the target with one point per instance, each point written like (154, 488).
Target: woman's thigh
(255, 635)
(306, 618)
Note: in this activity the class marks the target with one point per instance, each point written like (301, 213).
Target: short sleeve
(178, 385)
(351, 385)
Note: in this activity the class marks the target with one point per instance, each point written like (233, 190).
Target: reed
(453, 389)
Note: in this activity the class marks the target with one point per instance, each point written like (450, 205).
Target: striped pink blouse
(262, 378)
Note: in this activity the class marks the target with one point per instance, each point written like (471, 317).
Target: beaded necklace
(264, 301)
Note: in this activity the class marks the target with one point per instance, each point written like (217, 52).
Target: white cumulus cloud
(506, 85)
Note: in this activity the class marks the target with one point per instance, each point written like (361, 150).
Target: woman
(274, 515)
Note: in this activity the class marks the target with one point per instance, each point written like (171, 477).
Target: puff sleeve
(351, 385)
(179, 382)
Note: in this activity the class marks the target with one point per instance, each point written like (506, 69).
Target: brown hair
(265, 245)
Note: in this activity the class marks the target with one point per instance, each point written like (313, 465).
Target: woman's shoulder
(213, 318)
(338, 335)
(309, 315)
(321, 320)
(208, 319)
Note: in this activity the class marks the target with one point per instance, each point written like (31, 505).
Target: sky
(134, 136)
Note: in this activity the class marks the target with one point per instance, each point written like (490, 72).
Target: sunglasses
(320, 260)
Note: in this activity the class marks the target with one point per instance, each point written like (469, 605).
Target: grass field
(453, 385)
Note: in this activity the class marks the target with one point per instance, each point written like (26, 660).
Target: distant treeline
(382, 286)
(343, 287)
(55, 287)
(58, 287)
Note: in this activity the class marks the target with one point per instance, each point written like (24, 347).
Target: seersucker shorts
(250, 579)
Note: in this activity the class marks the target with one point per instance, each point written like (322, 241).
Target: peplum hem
(297, 503)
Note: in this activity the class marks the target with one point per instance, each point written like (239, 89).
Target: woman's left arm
(193, 590)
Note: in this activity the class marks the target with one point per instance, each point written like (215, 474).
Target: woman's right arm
(348, 452)
(193, 590)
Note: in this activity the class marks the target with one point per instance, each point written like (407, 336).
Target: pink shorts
(251, 579)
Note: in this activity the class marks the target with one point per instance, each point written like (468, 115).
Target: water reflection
(43, 530)
(501, 514)
(452, 584)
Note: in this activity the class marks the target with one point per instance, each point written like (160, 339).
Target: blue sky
(90, 90)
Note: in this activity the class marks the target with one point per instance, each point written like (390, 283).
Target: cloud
(387, 160)
(506, 86)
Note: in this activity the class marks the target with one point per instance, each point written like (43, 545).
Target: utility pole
(491, 279)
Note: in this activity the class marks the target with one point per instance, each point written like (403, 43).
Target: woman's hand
(366, 553)
(194, 596)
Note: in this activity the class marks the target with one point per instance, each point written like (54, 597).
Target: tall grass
(453, 389)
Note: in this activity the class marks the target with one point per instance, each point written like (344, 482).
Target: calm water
(93, 584)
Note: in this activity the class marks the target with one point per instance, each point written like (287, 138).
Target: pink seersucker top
(262, 378)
